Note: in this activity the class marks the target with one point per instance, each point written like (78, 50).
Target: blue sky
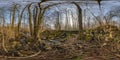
(106, 6)
(92, 5)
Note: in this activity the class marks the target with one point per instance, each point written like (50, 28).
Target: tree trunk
(30, 20)
(13, 16)
(40, 17)
(19, 20)
(35, 15)
(79, 20)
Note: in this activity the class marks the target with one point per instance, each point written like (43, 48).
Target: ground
(99, 43)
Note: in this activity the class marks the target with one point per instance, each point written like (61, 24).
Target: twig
(117, 55)
(3, 44)
(33, 55)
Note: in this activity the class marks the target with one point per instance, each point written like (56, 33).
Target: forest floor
(99, 43)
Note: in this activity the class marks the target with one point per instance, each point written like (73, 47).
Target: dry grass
(100, 41)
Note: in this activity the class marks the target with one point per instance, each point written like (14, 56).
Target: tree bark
(30, 20)
(35, 16)
(13, 16)
(19, 20)
(79, 20)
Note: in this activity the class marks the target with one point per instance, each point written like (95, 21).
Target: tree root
(33, 55)
(117, 55)
(3, 44)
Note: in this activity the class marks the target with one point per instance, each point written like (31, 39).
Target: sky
(91, 5)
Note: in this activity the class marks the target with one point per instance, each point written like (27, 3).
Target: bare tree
(19, 20)
(40, 16)
(114, 12)
(99, 1)
(30, 20)
(35, 16)
(13, 16)
(79, 19)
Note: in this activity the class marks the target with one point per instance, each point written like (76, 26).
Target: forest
(59, 30)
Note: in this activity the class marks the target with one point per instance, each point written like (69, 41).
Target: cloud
(19, 0)
(7, 3)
